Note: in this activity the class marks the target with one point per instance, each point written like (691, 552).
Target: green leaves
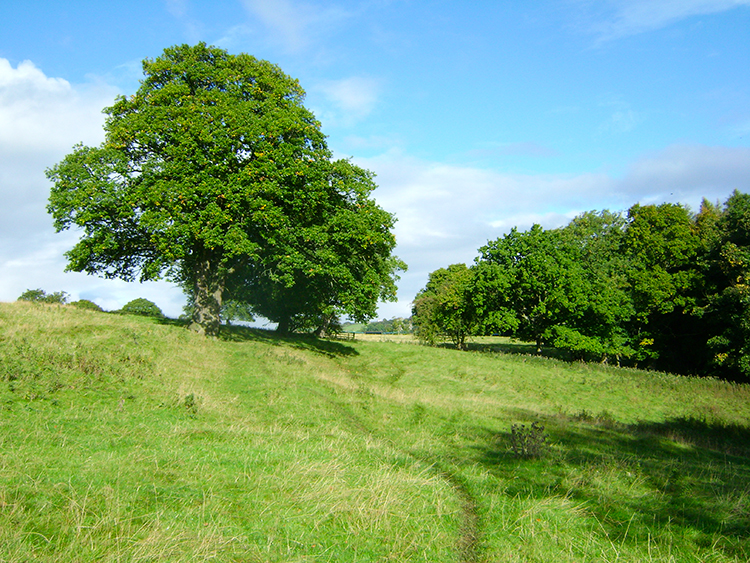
(215, 160)
(444, 308)
(660, 287)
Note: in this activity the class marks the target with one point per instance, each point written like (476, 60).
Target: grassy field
(124, 439)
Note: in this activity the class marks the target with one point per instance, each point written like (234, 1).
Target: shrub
(86, 304)
(528, 442)
(41, 296)
(143, 307)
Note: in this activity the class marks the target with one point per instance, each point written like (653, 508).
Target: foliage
(215, 175)
(727, 269)
(443, 308)
(142, 307)
(41, 296)
(341, 263)
(658, 287)
(397, 325)
(542, 284)
(528, 442)
(86, 304)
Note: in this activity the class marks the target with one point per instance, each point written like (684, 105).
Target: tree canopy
(215, 176)
(443, 306)
(658, 287)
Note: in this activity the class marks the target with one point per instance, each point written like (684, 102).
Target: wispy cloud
(624, 18)
(180, 10)
(623, 118)
(295, 23)
(177, 8)
(349, 99)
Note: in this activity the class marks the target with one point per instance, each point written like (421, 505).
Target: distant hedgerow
(41, 296)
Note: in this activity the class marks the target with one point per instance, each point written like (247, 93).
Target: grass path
(469, 533)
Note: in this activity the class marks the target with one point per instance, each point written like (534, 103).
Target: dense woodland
(657, 287)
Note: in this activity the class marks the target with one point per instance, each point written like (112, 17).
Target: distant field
(127, 439)
(385, 337)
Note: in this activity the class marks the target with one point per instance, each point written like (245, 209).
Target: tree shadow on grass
(682, 478)
(306, 342)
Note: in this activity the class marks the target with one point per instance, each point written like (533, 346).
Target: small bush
(528, 442)
(86, 304)
(143, 307)
(41, 296)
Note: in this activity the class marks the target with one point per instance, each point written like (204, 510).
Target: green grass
(129, 439)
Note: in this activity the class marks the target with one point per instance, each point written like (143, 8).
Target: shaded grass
(123, 439)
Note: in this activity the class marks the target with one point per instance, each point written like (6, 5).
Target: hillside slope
(126, 439)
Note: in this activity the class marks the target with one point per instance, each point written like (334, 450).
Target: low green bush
(86, 304)
(143, 307)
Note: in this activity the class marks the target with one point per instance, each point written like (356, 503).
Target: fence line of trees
(657, 287)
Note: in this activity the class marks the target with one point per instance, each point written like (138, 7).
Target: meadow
(130, 439)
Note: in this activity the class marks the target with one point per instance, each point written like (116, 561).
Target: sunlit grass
(124, 439)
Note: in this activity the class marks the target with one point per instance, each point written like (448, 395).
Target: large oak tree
(215, 175)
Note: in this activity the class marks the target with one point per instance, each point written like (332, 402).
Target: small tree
(443, 307)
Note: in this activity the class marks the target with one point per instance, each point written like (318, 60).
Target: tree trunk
(322, 330)
(209, 288)
(283, 326)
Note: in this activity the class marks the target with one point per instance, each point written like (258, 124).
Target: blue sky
(475, 116)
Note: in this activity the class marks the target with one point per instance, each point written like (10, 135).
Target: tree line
(658, 287)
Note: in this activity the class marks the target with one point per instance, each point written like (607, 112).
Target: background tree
(727, 274)
(213, 174)
(537, 284)
(600, 328)
(143, 307)
(87, 305)
(662, 245)
(443, 307)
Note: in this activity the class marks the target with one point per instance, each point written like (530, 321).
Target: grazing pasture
(127, 438)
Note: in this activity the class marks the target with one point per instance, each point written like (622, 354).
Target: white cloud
(445, 213)
(295, 23)
(350, 99)
(41, 118)
(687, 173)
(39, 111)
(631, 17)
